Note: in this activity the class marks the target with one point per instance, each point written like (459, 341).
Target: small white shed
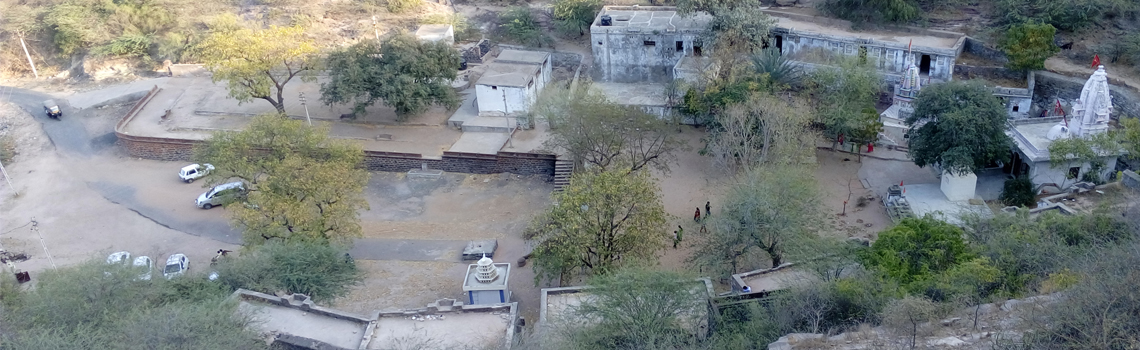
(512, 82)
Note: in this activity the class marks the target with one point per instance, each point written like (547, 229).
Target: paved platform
(928, 199)
(480, 142)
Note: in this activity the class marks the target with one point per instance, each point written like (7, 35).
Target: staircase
(563, 168)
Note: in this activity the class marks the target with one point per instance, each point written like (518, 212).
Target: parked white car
(176, 265)
(144, 264)
(195, 171)
(119, 258)
(221, 195)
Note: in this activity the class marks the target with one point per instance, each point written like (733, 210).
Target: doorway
(780, 44)
(924, 65)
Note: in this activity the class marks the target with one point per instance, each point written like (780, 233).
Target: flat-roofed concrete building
(643, 43)
(512, 82)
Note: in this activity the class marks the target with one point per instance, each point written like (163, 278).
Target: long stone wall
(177, 149)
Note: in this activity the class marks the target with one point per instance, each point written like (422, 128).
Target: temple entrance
(780, 44)
(924, 65)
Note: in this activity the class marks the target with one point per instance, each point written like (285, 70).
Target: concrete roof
(446, 327)
(434, 32)
(1029, 134)
(899, 37)
(508, 74)
(289, 316)
(470, 283)
(648, 19)
(556, 303)
(520, 56)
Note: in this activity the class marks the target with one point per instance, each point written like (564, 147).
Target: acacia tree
(959, 127)
(587, 126)
(636, 308)
(844, 98)
(738, 29)
(1029, 45)
(771, 211)
(256, 64)
(302, 184)
(602, 220)
(763, 129)
(406, 73)
(318, 270)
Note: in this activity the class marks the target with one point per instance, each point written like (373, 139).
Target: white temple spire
(1091, 112)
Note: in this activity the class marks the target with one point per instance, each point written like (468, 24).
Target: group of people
(680, 231)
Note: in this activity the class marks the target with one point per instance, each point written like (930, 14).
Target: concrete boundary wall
(738, 279)
(180, 149)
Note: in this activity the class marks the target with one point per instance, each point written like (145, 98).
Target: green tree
(302, 184)
(321, 271)
(602, 220)
(1066, 15)
(1018, 192)
(1028, 46)
(96, 306)
(769, 212)
(844, 98)
(1130, 136)
(762, 130)
(636, 308)
(256, 64)
(575, 16)
(406, 73)
(917, 249)
(590, 128)
(1077, 151)
(959, 127)
(738, 29)
(517, 24)
(76, 27)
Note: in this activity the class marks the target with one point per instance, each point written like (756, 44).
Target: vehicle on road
(221, 195)
(52, 109)
(119, 258)
(144, 264)
(176, 265)
(194, 171)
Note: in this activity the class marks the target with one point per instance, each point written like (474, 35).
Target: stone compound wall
(528, 164)
(981, 49)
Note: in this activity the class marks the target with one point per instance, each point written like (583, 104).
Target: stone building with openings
(643, 43)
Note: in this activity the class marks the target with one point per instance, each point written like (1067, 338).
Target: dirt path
(1120, 73)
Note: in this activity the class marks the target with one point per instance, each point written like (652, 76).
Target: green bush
(518, 25)
(127, 45)
(1018, 192)
(1066, 15)
(401, 6)
(318, 270)
(916, 250)
(1028, 46)
(872, 11)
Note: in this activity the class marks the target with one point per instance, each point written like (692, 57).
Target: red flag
(900, 183)
(1096, 60)
(908, 45)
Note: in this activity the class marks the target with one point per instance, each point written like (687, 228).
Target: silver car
(221, 194)
(176, 265)
(143, 263)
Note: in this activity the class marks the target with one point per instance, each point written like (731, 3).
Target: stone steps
(563, 169)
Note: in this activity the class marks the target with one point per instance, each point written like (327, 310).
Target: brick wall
(504, 162)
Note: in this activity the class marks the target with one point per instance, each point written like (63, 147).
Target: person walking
(708, 209)
(680, 235)
(697, 215)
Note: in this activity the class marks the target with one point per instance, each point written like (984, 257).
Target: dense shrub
(1029, 45)
(1066, 15)
(518, 25)
(572, 18)
(318, 270)
(1018, 192)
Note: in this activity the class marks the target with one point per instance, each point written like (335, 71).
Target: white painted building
(511, 83)
(1033, 136)
(436, 32)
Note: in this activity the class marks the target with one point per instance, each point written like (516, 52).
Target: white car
(119, 258)
(194, 171)
(146, 265)
(176, 265)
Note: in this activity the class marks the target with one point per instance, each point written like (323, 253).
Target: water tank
(606, 21)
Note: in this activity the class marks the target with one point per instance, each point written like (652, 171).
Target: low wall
(171, 149)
